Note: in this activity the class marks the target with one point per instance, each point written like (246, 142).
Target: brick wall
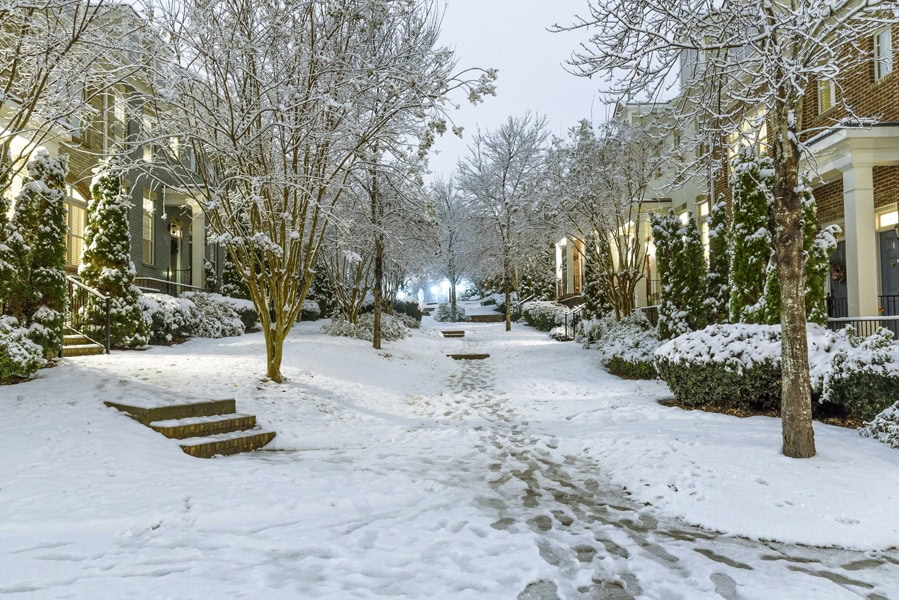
(886, 186)
(829, 201)
(868, 98)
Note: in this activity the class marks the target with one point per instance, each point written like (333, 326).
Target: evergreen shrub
(543, 315)
(170, 318)
(392, 328)
(20, 358)
(444, 314)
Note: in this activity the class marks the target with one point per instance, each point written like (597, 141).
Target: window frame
(883, 60)
(826, 84)
(148, 242)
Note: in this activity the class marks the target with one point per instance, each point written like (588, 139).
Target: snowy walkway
(405, 474)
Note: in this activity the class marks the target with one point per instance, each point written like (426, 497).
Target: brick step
(88, 349)
(176, 411)
(203, 426)
(453, 334)
(227, 443)
(75, 339)
(468, 356)
(497, 318)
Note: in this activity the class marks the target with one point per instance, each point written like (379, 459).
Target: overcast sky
(511, 36)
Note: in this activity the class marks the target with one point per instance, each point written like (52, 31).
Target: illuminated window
(76, 216)
(883, 54)
(704, 226)
(890, 219)
(148, 256)
(826, 95)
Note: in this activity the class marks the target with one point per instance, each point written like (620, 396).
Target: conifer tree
(538, 276)
(39, 301)
(107, 265)
(594, 302)
(689, 277)
(232, 284)
(212, 283)
(717, 283)
(665, 232)
(751, 180)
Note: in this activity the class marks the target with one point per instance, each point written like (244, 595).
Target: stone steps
(453, 334)
(203, 426)
(468, 356)
(78, 345)
(205, 429)
(494, 318)
(227, 443)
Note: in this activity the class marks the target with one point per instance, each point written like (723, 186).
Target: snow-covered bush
(311, 311)
(244, 309)
(216, 318)
(863, 374)
(444, 314)
(392, 328)
(739, 366)
(170, 318)
(543, 315)
(20, 358)
(410, 308)
(408, 321)
(884, 427)
(625, 346)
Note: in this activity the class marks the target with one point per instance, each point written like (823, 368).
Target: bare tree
(275, 101)
(457, 250)
(747, 66)
(502, 178)
(55, 57)
(601, 182)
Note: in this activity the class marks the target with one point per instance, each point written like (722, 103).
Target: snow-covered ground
(405, 474)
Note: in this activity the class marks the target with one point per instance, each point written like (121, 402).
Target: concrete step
(88, 349)
(453, 334)
(496, 318)
(468, 356)
(176, 411)
(203, 426)
(227, 443)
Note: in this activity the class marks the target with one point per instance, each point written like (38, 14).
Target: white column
(198, 246)
(861, 242)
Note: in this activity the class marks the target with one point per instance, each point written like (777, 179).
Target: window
(148, 255)
(883, 53)
(76, 216)
(117, 124)
(149, 130)
(826, 95)
(704, 225)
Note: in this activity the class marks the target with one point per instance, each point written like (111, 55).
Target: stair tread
(198, 420)
(222, 437)
(84, 346)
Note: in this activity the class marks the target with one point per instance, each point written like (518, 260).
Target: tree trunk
(507, 285)
(274, 351)
(379, 280)
(796, 400)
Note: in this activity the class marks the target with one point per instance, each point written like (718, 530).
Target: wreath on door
(838, 272)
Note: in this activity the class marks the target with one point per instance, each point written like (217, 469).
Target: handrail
(82, 308)
(165, 284)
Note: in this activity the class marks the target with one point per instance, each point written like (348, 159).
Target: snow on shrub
(444, 314)
(884, 427)
(245, 309)
(392, 328)
(410, 308)
(311, 311)
(625, 346)
(216, 317)
(738, 365)
(20, 358)
(543, 315)
(170, 318)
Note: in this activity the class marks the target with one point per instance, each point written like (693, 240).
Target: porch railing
(172, 288)
(866, 325)
(87, 312)
(571, 319)
(651, 312)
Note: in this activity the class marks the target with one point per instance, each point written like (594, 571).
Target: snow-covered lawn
(405, 474)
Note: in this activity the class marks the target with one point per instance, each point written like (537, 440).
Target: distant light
(435, 290)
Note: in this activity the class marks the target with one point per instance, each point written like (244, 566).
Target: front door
(889, 272)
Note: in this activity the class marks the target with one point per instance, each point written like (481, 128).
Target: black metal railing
(889, 305)
(162, 286)
(571, 319)
(866, 325)
(837, 308)
(87, 312)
